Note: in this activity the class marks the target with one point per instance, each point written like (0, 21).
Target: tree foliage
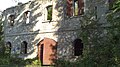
(102, 42)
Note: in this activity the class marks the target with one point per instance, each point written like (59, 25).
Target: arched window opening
(11, 19)
(78, 47)
(8, 47)
(49, 12)
(24, 47)
(27, 16)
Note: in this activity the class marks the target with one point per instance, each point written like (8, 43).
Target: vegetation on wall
(101, 40)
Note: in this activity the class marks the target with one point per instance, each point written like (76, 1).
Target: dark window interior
(41, 52)
(8, 47)
(11, 18)
(96, 12)
(78, 47)
(24, 47)
(26, 14)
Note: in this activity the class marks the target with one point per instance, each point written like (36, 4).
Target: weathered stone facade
(64, 30)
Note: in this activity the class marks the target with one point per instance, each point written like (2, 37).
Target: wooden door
(47, 51)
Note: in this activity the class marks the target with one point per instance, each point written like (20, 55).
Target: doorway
(47, 51)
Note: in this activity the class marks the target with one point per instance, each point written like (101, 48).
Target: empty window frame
(49, 12)
(8, 47)
(24, 47)
(74, 7)
(78, 47)
(11, 19)
(27, 16)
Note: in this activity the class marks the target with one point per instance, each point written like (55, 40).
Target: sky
(8, 3)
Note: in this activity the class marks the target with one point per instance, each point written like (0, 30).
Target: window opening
(78, 47)
(27, 16)
(75, 7)
(8, 47)
(11, 19)
(24, 47)
(96, 12)
(49, 12)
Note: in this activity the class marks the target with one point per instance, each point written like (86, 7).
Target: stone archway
(47, 51)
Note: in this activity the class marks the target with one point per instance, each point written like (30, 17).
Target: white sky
(8, 3)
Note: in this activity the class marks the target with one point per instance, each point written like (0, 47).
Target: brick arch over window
(24, 47)
(8, 47)
(78, 47)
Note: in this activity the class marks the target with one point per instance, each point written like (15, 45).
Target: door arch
(47, 51)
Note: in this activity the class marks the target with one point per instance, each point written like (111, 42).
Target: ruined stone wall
(62, 29)
(32, 32)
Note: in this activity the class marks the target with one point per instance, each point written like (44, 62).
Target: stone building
(48, 29)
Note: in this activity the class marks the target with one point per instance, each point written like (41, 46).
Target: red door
(47, 51)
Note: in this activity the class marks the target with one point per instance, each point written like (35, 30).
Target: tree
(102, 42)
(114, 32)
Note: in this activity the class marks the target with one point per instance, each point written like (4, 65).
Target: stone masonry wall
(61, 29)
